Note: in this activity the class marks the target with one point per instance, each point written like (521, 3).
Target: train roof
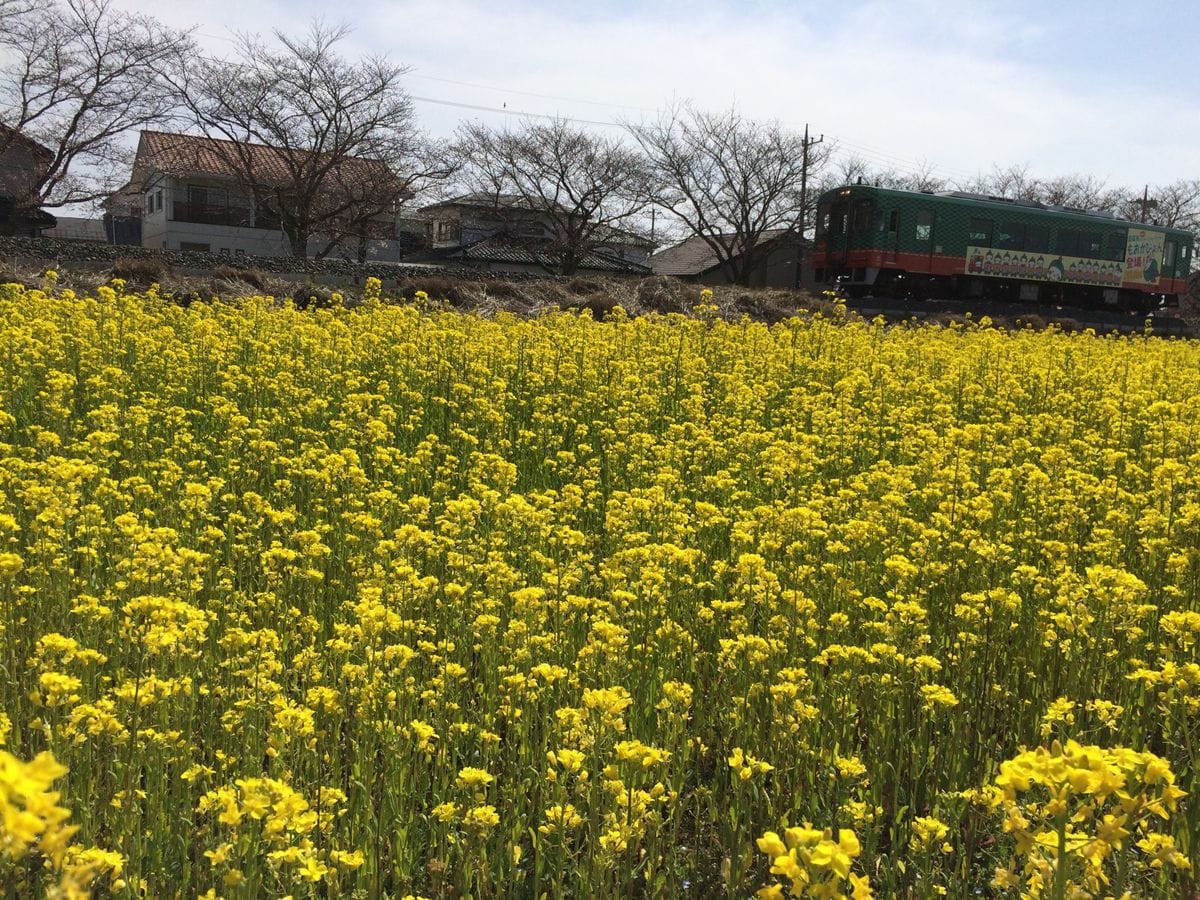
(966, 198)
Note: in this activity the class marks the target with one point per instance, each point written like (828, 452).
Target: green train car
(882, 242)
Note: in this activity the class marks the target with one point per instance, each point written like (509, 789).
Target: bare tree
(1077, 192)
(921, 177)
(1013, 182)
(855, 169)
(582, 187)
(1177, 204)
(75, 77)
(849, 169)
(733, 182)
(327, 146)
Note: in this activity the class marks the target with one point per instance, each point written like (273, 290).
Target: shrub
(136, 270)
(256, 278)
(584, 286)
(664, 294)
(438, 288)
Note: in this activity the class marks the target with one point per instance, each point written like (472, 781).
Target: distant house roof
(482, 199)
(11, 134)
(182, 155)
(532, 252)
(695, 256)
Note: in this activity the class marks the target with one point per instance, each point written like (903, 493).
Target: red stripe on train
(940, 264)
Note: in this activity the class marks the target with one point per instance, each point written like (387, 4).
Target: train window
(1066, 242)
(1037, 239)
(1116, 244)
(979, 233)
(894, 221)
(1169, 254)
(1010, 236)
(1090, 244)
(862, 216)
(924, 225)
(822, 219)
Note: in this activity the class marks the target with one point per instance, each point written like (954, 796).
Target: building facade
(780, 264)
(187, 196)
(23, 163)
(505, 233)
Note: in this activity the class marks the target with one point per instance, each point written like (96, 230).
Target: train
(873, 241)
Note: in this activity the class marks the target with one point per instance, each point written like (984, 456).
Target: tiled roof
(10, 134)
(694, 255)
(189, 154)
(534, 253)
(484, 200)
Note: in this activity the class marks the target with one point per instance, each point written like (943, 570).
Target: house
(695, 260)
(508, 233)
(189, 194)
(23, 163)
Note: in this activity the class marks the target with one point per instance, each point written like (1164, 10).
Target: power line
(900, 161)
(487, 87)
(514, 112)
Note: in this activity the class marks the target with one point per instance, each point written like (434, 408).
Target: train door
(839, 233)
(891, 238)
(926, 221)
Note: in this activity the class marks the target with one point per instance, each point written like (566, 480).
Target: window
(1066, 242)
(979, 233)
(822, 219)
(224, 251)
(444, 230)
(207, 196)
(1116, 244)
(1169, 254)
(1010, 236)
(239, 252)
(924, 225)
(894, 221)
(862, 216)
(149, 203)
(158, 201)
(1090, 244)
(1037, 238)
(194, 247)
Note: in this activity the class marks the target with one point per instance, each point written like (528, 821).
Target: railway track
(1102, 321)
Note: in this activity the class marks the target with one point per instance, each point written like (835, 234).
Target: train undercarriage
(893, 284)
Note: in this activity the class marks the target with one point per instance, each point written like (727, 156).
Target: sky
(1098, 88)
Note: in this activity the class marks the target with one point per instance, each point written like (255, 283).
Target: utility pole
(808, 142)
(1146, 203)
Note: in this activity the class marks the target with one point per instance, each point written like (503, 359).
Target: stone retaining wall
(50, 253)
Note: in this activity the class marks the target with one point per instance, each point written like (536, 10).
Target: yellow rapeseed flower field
(393, 601)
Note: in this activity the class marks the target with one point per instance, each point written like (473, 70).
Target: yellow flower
(481, 818)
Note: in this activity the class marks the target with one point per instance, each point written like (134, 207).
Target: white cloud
(963, 85)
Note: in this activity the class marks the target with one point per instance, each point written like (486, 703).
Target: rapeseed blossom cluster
(395, 601)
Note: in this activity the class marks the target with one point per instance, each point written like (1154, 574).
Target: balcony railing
(210, 214)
